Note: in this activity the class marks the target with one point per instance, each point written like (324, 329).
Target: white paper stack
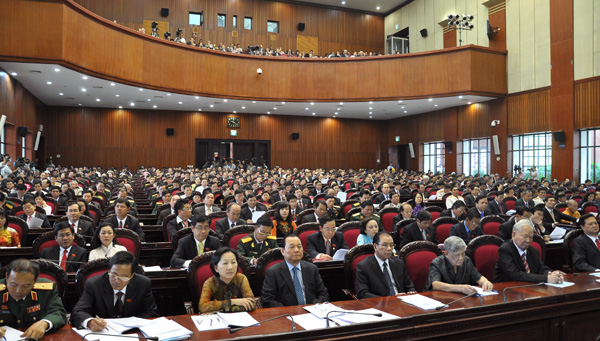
(421, 301)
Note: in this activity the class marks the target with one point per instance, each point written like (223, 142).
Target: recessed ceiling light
(243, 107)
(468, 102)
(370, 116)
(336, 113)
(282, 102)
(370, 108)
(168, 94)
(154, 106)
(197, 97)
(180, 103)
(400, 101)
(132, 104)
(117, 95)
(148, 100)
(83, 89)
(268, 112)
(60, 94)
(435, 105)
(225, 100)
(13, 73)
(141, 89)
(305, 108)
(212, 105)
(112, 84)
(235, 112)
(312, 103)
(49, 82)
(97, 99)
(343, 2)
(370, 102)
(370, 112)
(199, 109)
(57, 69)
(338, 109)
(254, 102)
(275, 108)
(431, 99)
(378, 8)
(314, 114)
(405, 111)
(120, 107)
(460, 97)
(79, 104)
(85, 77)
(402, 107)
(341, 103)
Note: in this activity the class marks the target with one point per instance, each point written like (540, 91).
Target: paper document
(208, 322)
(561, 285)
(35, 223)
(126, 323)
(12, 333)
(511, 212)
(558, 241)
(256, 215)
(340, 254)
(557, 233)
(154, 268)
(420, 301)
(342, 196)
(350, 318)
(321, 310)
(480, 292)
(597, 274)
(309, 321)
(241, 319)
(104, 335)
(166, 329)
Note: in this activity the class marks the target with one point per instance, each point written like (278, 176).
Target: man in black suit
(324, 244)
(473, 193)
(553, 215)
(481, 206)
(505, 231)
(320, 210)
(55, 193)
(586, 247)
(457, 211)
(66, 255)
(120, 292)
(385, 194)
(21, 193)
(421, 229)
(80, 226)
(166, 212)
(208, 207)
(294, 281)
(525, 199)
(194, 244)
(496, 206)
(405, 213)
(249, 210)
(303, 203)
(294, 209)
(184, 217)
(29, 212)
(318, 189)
(381, 274)
(231, 220)
(121, 219)
(518, 261)
(470, 227)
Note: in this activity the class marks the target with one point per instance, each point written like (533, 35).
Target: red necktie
(73, 226)
(597, 244)
(63, 261)
(524, 258)
(501, 210)
(120, 224)
(294, 215)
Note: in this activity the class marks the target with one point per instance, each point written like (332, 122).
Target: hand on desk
(248, 303)
(324, 256)
(556, 277)
(406, 293)
(2, 331)
(466, 289)
(96, 324)
(36, 330)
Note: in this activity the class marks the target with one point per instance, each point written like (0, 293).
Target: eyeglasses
(62, 236)
(122, 278)
(330, 229)
(264, 233)
(386, 245)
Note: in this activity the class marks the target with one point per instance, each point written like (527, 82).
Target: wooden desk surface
(532, 313)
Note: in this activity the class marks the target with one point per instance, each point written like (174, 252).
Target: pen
(98, 317)
(211, 321)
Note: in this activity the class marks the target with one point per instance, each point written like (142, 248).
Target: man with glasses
(418, 230)
(381, 274)
(470, 227)
(324, 244)
(120, 292)
(67, 255)
(258, 242)
(194, 244)
(184, 217)
(80, 226)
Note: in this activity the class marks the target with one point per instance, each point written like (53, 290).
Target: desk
(534, 313)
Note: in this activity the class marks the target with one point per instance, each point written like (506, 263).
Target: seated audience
(320, 210)
(166, 212)
(586, 247)
(420, 229)
(405, 213)
(29, 213)
(67, 255)
(184, 218)
(194, 244)
(552, 215)
(324, 244)
(8, 235)
(123, 220)
(80, 226)
(259, 241)
(253, 206)
(366, 211)
(496, 206)
(571, 210)
(104, 243)
(470, 227)
(505, 230)
(419, 203)
(368, 229)
(231, 220)
(537, 218)
(457, 211)
(41, 203)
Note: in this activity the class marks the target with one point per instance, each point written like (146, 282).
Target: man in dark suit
(470, 227)
(474, 193)
(381, 274)
(505, 230)
(405, 213)
(324, 244)
(166, 212)
(194, 244)
(385, 194)
(67, 255)
(121, 219)
(553, 215)
(586, 247)
(320, 210)
(184, 217)
(253, 206)
(457, 211)
(496, 206)
(29, 213)
(294, 281)
(525, 199)
(294, 209)
(303, 202)
(21, 193)
(231, 220)
(421, 229)
(55, 192)
(518, 261)
(481, 206)
(208, 207)
(120, 292)
(80, 226)
(259, 241)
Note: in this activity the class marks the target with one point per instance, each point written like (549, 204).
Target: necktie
(481, 214)
(424, 234)
(63, 260)
(73, 226)
(524, 258)
(119, 304)
(232, 225)
(388, 279)
(29, 218)
(210, 210)
(552, 214)
(120, 224)
(201, 248)
(328, 247)
(185, 223)
(597, 243)
(298, 287)
(501, 210)
(294, 215)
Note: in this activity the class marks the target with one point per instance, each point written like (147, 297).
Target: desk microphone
(348, 312)
(152, 338)
(520, 286)
(460, 299)
(583, 274)
(235, 330)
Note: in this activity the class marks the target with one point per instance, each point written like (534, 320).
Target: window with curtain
(530, 150)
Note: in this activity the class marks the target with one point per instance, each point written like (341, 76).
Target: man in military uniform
(29, 302)
(332, 209)
(259, 241)
(6, 204)
(366, 211)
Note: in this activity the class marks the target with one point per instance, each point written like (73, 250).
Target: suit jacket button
(19, 321)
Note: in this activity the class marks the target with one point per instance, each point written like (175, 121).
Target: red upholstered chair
(233, 236)
(130, 240)
(418, 256)
(383, 203)
(300, 216)
(568, 249)
(305, 230)
(442, 227)
(351, 230)
(95, 211)
(483, 251)
(199, 271)
(354, 256)
(347, 185)
(82, 217)
(347, 205)
(350, 192)
(52, 203)
(561, 206)
(352, 212)
(50, 271)
(213, 217)
(387, 218)
(18, 210)
(399, 228)
(318, 197)
(164, 225)
(228, 199)
(539, 243)
(267, 260)
(180, 234)
(589, 207)
(20, 226)
(491, 224)
(435, 211)
(577, 198)
(48, 239)
(92, 269)
(510, 203)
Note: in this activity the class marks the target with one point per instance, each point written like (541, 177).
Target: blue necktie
(298, 287)
(386, 274)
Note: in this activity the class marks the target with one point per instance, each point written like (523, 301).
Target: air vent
(35, 71)
(70, 98)
(97, 87)
(140, 101)
(158, 96)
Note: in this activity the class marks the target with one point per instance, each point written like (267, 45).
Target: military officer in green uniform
(259, 241)
(332, 209)
(30, 303)
(366, 211)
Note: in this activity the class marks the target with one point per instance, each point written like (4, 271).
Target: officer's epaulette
(356, 214)
(376, 215)
(272, 237)
(2, 287)
(336, 206)
(43, 286)
(356, 204)
(247, 239)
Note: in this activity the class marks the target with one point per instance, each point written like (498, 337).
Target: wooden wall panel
(587, 103)
(529, 112)
(114, 138)
(474, 121)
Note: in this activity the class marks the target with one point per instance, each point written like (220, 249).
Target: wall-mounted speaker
(295, 136)
(301, 26)
(412, 150)
(164, 12)
(37, 141)
(448, 145)
(170, 131)
(22, 131)
(496, 144)
(424, 33)
(559, 136)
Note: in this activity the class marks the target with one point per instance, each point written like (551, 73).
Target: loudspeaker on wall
(164, 12)
(559, 136)
(301, 26)
(170, 131)
(295, 136)
(22, 131)
(424, 33)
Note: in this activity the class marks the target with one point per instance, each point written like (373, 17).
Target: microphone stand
(347, 312)
(460, 299)
(235, 330)
(520, 286)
